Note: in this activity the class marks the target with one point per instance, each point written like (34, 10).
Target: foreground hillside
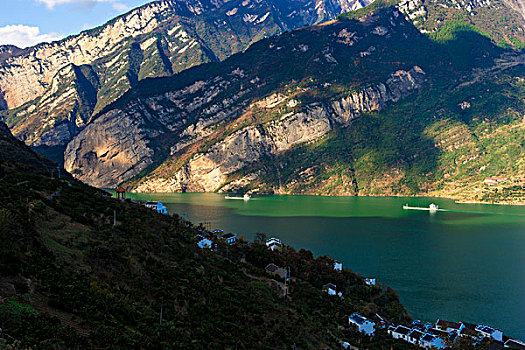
(71, 278)
(52, 90)
(354, 107)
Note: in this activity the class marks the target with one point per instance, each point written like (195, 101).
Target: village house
(277, 271)
(273, 243)
(448, 326)
(514, 344)
(414, 336)
(203, 242)
(230, 238)
(330, 288)
(363, 324)
(469, 331)
(370, 281)
(489, 332)
(217, 232)
(400, 332)
(158, 206)
(429, 341)
(338, 266)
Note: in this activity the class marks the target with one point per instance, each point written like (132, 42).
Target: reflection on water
(466, 264)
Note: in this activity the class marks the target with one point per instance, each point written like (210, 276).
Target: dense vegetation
(71, 278)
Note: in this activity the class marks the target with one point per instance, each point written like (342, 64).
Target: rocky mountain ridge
(124, 140)
(52, 89)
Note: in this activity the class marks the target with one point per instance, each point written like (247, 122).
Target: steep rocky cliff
(209, 171)
(352, 107)
(217, 120)
(52, 89)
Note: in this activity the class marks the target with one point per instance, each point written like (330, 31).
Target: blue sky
(28, 22)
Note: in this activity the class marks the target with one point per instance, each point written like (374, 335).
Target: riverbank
(448, 257)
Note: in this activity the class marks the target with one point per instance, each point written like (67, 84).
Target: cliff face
(209, 171)
(51, 90)
(236, 115)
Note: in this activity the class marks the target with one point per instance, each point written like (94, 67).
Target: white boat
(432, 207)
(246, 197)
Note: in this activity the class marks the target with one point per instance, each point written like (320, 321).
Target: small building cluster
(422, 336)
(205, 240)
(436, 336)
(158, 206)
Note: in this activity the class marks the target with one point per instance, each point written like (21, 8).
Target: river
(467, 264)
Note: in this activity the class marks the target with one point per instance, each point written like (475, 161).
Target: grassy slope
(69, 278)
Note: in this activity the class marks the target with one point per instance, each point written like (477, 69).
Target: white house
(204, 242)
(330, 288)
(489, 332)
(338, 266)
(158, 206)
(401, 332)
(370, 281)
(273, 243)
(431, 341)
(363, 324)
(514, 344)
(449, 327)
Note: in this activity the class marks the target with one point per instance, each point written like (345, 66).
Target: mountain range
(395, 98)
(53, 89)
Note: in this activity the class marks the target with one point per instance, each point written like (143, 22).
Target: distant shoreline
(456, 200)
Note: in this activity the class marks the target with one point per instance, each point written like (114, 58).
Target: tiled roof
(358, 319)
(402, 330)
(448, 324)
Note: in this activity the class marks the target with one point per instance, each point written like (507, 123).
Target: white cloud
(119, 6)
(24, 36)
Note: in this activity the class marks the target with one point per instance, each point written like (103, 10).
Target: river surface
(467, 264)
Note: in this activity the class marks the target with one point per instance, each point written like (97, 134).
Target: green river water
(466, 264)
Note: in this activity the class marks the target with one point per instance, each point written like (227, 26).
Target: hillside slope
(352, 107)
(52, 90)
(72, 278)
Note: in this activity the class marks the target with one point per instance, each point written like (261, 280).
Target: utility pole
(161, 310)
(114, 218)
(286, 283)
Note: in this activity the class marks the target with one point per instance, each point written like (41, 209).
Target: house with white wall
(489, 332)
(363, 324)
(330, 288)
(400, 332)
